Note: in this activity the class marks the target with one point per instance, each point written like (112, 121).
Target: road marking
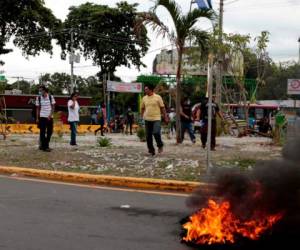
(95, 186)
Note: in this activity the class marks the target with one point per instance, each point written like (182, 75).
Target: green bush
(104, 142)
(141, 133)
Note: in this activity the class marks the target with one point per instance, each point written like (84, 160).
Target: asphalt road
(49, 216)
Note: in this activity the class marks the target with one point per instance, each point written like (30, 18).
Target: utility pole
(219, 78)
(299, 50)
(108, 101)
(18, 83)
(18, 80)
(209, 92)
(104, 87)
(72, 61)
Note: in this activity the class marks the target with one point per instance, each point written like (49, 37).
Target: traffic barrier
(58, 128)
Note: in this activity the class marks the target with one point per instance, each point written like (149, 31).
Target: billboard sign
(165, 63)
(123, 87)
(293, 87)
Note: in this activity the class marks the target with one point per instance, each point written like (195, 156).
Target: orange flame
(218, 225)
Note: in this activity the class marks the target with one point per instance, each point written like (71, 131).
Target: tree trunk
(178, 96)
(245, 103)
(246, 108)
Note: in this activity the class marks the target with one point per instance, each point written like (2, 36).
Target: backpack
(50, 97)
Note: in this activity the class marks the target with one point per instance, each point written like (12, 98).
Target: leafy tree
(184, 29)
(28, 22)
(58, 83)
(81, 86)
(276, 80)
(3, 86)
(34, 89)
(22, 85)
(194, 88)
(234, 49)
(250, 63)
(94, 87)
(263, 60)
(123, 101)
(106, 35)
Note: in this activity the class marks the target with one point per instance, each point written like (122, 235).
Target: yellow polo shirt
(152, 105)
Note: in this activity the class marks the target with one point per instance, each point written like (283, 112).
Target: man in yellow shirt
(152, 110)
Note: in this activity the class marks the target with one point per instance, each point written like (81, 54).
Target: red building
(22, 107)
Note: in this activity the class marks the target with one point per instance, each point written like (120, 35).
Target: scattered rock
(169, 167)
(125, 206)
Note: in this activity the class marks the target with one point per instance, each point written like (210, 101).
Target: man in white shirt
(44, 117)
(172, 117)
(73, 117)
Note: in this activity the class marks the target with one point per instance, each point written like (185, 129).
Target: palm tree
(184, 30)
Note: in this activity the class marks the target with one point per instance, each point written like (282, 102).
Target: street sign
(124, 87)
(2, 78)
(293, 87)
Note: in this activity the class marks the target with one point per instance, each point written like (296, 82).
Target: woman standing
(73, 117)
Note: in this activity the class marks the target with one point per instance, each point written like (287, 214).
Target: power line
(46, 33)
(118, 39)
(106, 38)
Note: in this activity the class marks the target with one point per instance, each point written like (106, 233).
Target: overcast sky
(280, 17)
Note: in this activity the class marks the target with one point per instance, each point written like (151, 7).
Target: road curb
(106, 180)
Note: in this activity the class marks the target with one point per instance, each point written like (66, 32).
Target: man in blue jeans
(186, 120)
(152, 109)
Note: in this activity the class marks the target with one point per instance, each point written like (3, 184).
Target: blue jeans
(187, 126)
(153, 129)
(73, 127)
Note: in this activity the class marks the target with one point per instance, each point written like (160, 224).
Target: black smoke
(271, 187)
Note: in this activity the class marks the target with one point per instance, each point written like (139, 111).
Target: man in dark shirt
(129, 120)
(264, 125)
(204, 120)
(186, 120)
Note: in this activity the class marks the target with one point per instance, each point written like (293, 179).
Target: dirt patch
(128, 156)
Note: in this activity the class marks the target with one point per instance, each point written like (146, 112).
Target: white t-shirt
(73, 114)
(46, 108)
(172, 116)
